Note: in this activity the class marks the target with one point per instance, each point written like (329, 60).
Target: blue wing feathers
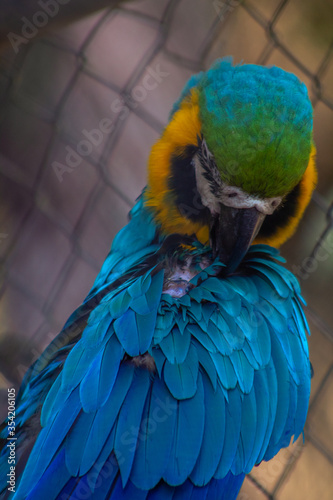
(248, 436)
(261, 345)
(76, 441)
(164, 323)
(195, 310)
(52, 481)
(89, 387)
(219, 288)
(129, 422)
(127, 332)
(213, 437)
(106, 415)
(75, 367)
(129, 492)
(233, 415)
(225, 370)
(243, 370)
(185, 449)
(250, 356)
(153, 451)
(163, 492)
(274, 274)
(282, 392)
(176, 345)
(159, 359)
(53, 402)
(264, 416)
(202, 337)
(207, 363)
(232, 307)
(106, 461)
(181, 378)
(98, 383)
(231, 384)
(222, 343)
(119, 304)
(135, 328)
(182, 320)
(207, 311)
(47, 444)
(146, 327)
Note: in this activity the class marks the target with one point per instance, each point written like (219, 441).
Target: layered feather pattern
(162, 397)
(180, 372)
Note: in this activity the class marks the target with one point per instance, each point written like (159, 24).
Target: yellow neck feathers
(183, 130)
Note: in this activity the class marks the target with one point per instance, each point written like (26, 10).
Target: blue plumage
(171, 381)
(206, 411)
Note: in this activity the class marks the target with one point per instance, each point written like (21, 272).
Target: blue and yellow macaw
(187, 364)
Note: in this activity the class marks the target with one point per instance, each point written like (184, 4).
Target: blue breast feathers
(162, 391)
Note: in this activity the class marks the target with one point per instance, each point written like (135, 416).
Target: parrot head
(235, 164)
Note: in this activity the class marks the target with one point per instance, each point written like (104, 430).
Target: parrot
(188, 363)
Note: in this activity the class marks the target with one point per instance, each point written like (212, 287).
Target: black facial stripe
(183, 184)
(209, 177)
(281, 216)
(210, 171)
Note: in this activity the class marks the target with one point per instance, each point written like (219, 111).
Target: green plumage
(257, 122)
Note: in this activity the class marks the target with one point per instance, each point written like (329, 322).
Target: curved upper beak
(231, 233)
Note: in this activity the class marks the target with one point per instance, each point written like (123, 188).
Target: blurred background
(84, 95)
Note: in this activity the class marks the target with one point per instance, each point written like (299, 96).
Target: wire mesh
(81, 108)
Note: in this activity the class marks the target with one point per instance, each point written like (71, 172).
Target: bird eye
(275, 203)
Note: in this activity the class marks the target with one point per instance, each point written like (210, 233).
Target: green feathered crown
(257, 122)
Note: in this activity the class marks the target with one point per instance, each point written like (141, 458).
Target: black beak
(232, 232)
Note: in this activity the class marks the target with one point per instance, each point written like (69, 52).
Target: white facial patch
(215, 192)
(232, 196)
(208, 198)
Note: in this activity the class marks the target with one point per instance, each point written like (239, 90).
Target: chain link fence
(81, 106)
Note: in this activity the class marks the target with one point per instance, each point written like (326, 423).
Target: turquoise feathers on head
(257, 122)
